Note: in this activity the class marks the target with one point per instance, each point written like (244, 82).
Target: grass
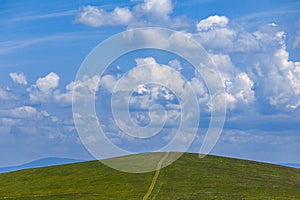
(188, 178)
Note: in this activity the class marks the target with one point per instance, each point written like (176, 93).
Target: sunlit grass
(188, 178)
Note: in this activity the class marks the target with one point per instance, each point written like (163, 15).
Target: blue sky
(254, 44)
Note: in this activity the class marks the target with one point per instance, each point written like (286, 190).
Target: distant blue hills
(45, 162)
(294, 165)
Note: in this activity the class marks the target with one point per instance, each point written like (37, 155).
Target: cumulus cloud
(200, 90)
(48, 83)
(23, 112)
(262, 72)
(43, 89)
(146, 13)
(148, 83)
(243, 88)
(154, 10)
(96, 17)
(108, 82)
(238, 85)
(293, 106)
(8, 121)
(19, 78)
(282, 83)
(213, 31)
(47, 90)
(275, 76)
(77, 89)
(212, 22)
(294, 77)
(175, 64)
(148, 69)
(262, 69)
(218, 34)
(6, 94)
(148, 95)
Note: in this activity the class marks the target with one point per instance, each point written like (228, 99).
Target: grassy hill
(188, 178)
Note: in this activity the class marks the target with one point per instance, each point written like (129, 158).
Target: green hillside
(188, 178)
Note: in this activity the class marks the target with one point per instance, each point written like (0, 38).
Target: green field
(188, 178)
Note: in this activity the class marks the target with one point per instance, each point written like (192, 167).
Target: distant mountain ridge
(45, 162)
(293, 165)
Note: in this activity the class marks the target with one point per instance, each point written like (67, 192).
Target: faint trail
(147, 195)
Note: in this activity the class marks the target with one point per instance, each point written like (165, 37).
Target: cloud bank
(146, 13)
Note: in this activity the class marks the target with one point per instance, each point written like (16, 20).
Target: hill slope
(188, 178)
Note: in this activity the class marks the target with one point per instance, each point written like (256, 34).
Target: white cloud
(6, 94)
(272, 24)
(23, 112)
(46, 89)
(146, 13)
(214, 33)
(54, 119)
(48, 83)
(219, 98)
(45, 113)
(238, 85)
(212, 22)
(78, 89)
(148, 84)
(293, 106)
(217, 34)
(283, 82)
(148, 69)
(19, 78)
(262, 70)
(154, 10)
(96, 17)
(200, 89)
(8, 121)
(175, 64)
(89, 84)
(224, 63)
(43, 89)
(108, 82)
(149, 95)
(263, 62)
(294, 77)
(243, 88)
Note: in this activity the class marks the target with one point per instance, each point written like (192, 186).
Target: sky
(255, 46)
